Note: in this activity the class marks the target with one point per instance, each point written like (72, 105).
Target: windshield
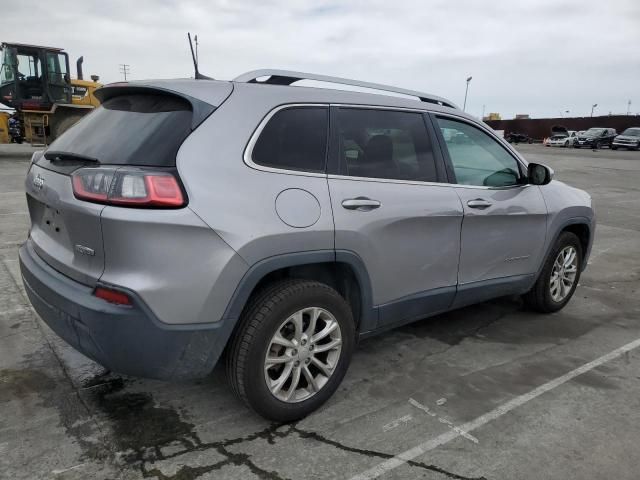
(594, 131)
(632, 132)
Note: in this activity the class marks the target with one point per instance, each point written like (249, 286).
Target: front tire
(292, 349)
(559, 277)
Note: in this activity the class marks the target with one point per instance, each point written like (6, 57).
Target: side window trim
(253, 139)
(335, 164)
(442, 149)
(449, 164)
(441, 167)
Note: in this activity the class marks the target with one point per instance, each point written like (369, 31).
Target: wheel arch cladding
(583, 228)
(583, 232)
(342, 270)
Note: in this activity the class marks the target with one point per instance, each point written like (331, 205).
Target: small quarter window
(294, 139)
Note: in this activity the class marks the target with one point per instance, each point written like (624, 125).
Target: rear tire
(541, 297)
(270, 345)
(614, 148)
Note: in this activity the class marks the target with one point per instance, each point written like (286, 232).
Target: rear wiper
(62, 156)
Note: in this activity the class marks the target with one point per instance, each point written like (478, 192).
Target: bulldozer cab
(34, 77)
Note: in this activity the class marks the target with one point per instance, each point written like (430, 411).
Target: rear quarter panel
(238, 201)
(183, 270)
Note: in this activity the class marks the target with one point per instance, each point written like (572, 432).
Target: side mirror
(539, 174)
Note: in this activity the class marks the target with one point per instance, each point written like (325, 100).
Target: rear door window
(385, 144)
(294, 138)
(136, 129)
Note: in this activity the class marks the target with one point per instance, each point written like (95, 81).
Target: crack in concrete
(270, 435)
(373, 453)
(194, 444)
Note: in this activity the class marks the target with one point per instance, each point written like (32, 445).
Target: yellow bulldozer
(35, 81)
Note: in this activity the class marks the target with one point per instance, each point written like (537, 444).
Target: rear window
(138, 129)
(294, 139)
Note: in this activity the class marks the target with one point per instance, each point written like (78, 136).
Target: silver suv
(279, 224)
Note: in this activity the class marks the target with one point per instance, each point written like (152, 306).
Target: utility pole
(483, 112)
(629, 107)
(465, 94)
(125, 70)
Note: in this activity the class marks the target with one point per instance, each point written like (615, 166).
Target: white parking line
(446, 437)
(396, 423)
(58, 472)
(448, 423)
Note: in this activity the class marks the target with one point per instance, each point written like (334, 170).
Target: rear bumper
(124, 339)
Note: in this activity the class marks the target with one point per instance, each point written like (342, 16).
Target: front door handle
(479, 203)
(362, 204)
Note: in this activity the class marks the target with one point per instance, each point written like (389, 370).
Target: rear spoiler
(201, 110)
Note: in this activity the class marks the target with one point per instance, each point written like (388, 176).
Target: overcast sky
(529, 56)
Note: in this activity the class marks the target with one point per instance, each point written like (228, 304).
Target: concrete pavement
(61, 418)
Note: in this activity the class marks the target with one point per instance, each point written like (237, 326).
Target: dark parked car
(596, 138)
(518, 138)
(630, 139)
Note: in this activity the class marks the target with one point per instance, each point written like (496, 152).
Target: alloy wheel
(303, 354)
(563, 273)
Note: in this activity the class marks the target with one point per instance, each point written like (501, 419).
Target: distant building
(522, 116)
(492, 116)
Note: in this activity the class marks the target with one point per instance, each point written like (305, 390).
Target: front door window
(477, 158)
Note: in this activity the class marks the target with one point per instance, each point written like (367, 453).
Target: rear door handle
(362, 204)
(479, 203)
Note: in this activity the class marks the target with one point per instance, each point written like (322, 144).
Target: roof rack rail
(287, 77)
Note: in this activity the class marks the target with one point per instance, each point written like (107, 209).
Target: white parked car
(561, 137)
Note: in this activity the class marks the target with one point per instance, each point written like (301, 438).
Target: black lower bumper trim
(124, 339)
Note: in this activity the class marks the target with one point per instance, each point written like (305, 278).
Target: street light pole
(464, 106)
(592, 107)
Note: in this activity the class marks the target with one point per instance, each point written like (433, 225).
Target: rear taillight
(127, 186)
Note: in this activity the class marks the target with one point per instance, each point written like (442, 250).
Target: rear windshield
(139, 129)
